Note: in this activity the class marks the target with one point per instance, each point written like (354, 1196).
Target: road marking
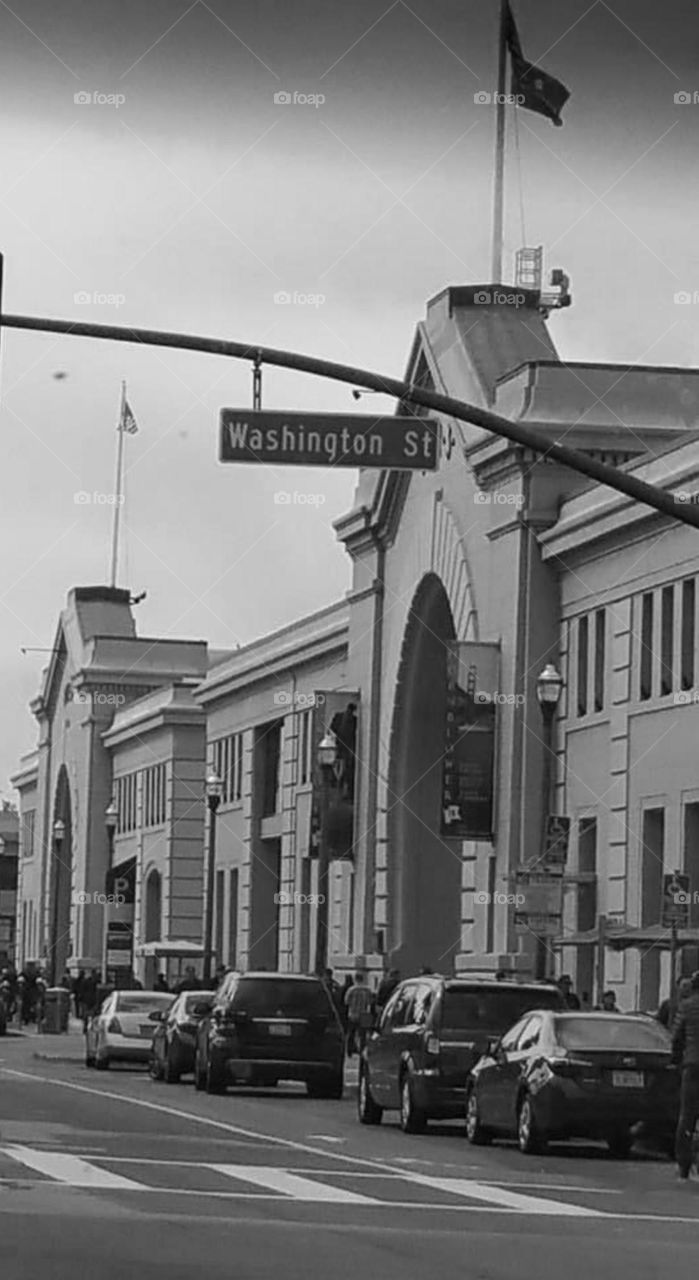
(324, 1137)
(494, 1196)
(291, 1185)
(70, 1170)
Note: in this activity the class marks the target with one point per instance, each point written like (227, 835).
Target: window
(667, 639)
(630, 1035)
(305, 747)
(599, 659)
(154, 796)
(228, 763)
(646, 681)
(28, 826)
(509, 1041)
(423, 1004)
(688, 626)
(583, 645)
(271, 749)
(531, 1035)
(233, 918)
(125, 795)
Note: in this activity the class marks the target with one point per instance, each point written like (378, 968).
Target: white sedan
(123, 1029)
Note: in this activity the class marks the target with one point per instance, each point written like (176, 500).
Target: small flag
(128, 422)
(535, 89)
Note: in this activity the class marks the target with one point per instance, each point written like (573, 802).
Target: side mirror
(157, 1015)
(493, 1048)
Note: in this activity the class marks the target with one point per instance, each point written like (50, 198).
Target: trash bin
(56, 1010)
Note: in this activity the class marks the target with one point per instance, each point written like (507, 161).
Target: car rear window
(606, 1031)
(270, 998)
(494, 1010)
(142, 1002)
(198, 1001)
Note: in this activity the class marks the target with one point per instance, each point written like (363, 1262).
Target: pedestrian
(77, 988)
(359, 1002)
(565, 986)
(161, 983)
(426, 971)
(334, 990)
(685, 1054)
(609, 1004)
(670, 1005)
(190, 982)
(585, 1003)
(220, 975)
(90, 990)
(386, 988)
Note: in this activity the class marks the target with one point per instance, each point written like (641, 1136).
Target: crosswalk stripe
(492, 1195)
(70, 1170)
(291, 1185)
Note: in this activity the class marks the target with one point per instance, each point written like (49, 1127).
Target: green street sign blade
(328, 439)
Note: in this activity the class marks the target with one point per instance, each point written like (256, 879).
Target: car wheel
(199, 1074)
(331, 1087)
(215, 1083)
(412, 1117)
(368, 1111)
(476, 1134)
(529, 1140)
(170, 1071)
(620, 1143)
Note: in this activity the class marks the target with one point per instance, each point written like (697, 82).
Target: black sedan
(174, 1040)
(555, 1076)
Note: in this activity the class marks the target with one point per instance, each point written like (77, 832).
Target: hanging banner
(469, 754)
(334, 712)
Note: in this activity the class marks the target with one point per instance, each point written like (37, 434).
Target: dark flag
(536, 90)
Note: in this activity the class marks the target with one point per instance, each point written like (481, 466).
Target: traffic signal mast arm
(405, 392)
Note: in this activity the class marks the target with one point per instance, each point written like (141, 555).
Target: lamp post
(548, 692)
(111, 819)
(327, 759)
(214, 789)
(59, 831)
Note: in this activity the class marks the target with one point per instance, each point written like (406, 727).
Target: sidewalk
(67, 1046)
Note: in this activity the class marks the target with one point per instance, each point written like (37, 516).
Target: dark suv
(432, 1032)
(266, 1027)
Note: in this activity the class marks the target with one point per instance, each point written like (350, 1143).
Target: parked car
(554, 1076)
(122, 1029)
(267, 1027)
(431, 1033)
(175, 1035)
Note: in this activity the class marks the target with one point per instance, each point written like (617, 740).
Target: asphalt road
(117, 1176)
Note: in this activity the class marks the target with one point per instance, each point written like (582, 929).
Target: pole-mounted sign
(329, 439)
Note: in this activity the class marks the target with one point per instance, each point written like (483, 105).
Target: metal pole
(601, 956)
(499, 180)
(118, 486)
(213, 803)
(323, 866)
(57, 844)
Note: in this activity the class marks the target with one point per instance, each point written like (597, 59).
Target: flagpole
(499, 184)
(118, 487)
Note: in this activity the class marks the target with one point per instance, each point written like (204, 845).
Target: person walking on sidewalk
(359, 1002)
(685, 1054)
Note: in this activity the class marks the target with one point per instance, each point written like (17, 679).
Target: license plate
(627, 1079)
(280, 1029)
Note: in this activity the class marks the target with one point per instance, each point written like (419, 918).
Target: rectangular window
(28, 826)
(667, 639)
(154, 796)
(646, 665)
(305, 747)
(599, 659)
(228, 763)
(691, 859)
(583, 647)
(688, 634)
(271, 777)
(125, 796)
(233, 919)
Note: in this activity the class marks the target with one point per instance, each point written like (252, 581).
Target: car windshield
(492, 1009)
(142, 1001)
(605, 1031)
(198, 1002)
(275, 998)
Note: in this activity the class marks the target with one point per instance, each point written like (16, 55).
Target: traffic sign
(676, 901)
(328, 439)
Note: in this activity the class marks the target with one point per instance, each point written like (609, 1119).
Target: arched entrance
(60, 942)
(424, 870)
(152, 921)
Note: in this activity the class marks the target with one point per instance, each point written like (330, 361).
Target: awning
(624, 937)
(178, 947)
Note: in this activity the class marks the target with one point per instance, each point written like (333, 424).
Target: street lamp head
(214, 789)
(327, 750)
(111, 817)
(549, 687)
(2, 845)
(59, 830)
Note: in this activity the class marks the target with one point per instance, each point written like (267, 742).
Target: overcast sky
(196, 199)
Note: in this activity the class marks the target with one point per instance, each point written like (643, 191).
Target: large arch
(424, 870)
(60, 941)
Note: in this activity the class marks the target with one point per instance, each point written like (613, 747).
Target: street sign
(539, 908)
(676, 900)
(556, 845)
(328, 439)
